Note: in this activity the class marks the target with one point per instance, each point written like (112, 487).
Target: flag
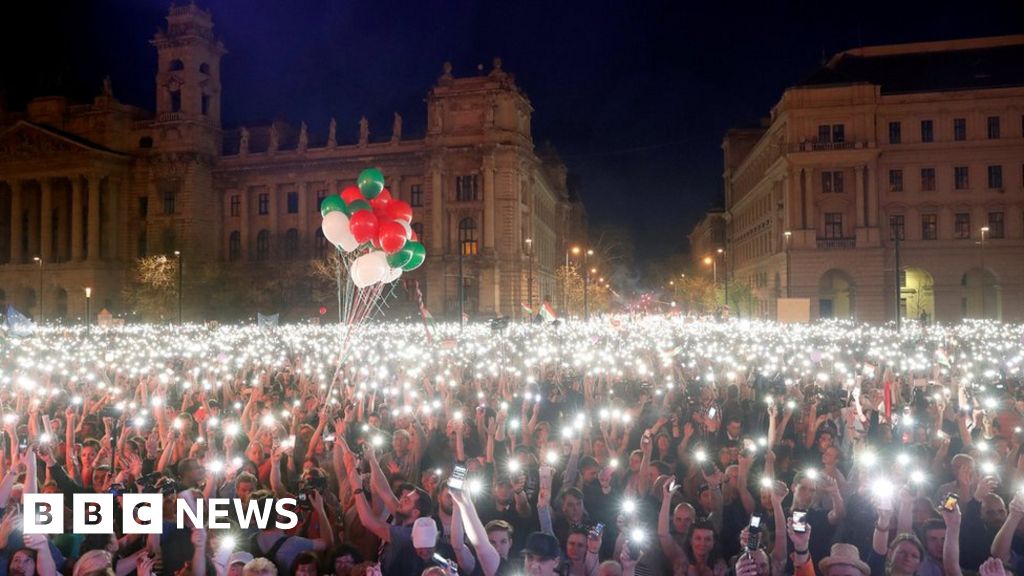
(942, 358)
(548, 313)
(529, 311)
(18, 324)
(267, 319)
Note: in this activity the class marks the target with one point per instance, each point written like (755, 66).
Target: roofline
(928, 47)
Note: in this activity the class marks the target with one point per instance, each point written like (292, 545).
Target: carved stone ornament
(25, 144)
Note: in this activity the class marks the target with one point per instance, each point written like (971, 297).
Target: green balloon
(419, 254)
(401, 258)
(370, 182)
(332, 203)
(358, 206)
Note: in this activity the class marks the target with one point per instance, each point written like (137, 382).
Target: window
(466, 188)
(960, 129)
(995, 224)
(929, 226)
(896, 180)
(927, 179)
(143, 207)
(204, 68)
(962, 226)
(824, 133)
(141, 247)
(833, 225)
(170, 197)
(993, 127)
(896, 227)
(236, 204)
(264, 202)
(416, 196)
(205, 104)
(960, 178)
(831, 133)
(831, 182)
(293, 202)
(320, 195)
(175, 100)
(235, 246)
(895, 132)
(291, 243)
(176, 65)
(927, 131)
(320, 243)
(263, 245)
(838, 133)
(995, 176)
(467, 237)
(417, 228)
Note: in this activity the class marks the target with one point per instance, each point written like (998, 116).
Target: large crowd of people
(619, 446)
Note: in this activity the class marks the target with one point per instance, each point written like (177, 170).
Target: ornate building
(86, 189)
(906, 157)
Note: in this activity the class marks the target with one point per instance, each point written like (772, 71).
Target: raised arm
(379, 482)
(951, 546)
(742, 479)
(1004, 538)
(485, 552)
(669, 548)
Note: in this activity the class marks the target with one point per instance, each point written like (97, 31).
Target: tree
(696, 294)
(571, 282)
(741, 295)
(152, 290)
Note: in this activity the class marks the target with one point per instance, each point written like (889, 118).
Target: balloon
(400, 210)
(350, 194)
(323, 310)
(414, 236)
(402, 257)
(419, 254)
(363, 225)
(337, 229)
(393, 274)
(332, 203)
(391, 236)
(408, 229)
(370, 182)
(359, 205)
(385, 196)
(369, 269)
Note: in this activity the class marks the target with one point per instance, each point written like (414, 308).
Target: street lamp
(40, 262)
(725, 272)
(586, 286)
(984, 273)
(713, 262)
(529, 273)
(177, 254)
(788, 236)
(88, 308)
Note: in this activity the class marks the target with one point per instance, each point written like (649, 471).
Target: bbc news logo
(144, 513)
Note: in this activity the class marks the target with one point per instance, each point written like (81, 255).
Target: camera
(754, 534)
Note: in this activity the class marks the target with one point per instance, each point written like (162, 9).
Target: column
(110, 219)
(489, 202)
(276, 237)
(16, 223)
(305, 190)
(93, 251)
(243, 229)
(811, 220)
(872, 215)
(437, 211)
(858, 191)
(31, 205)
(62, 251)
(76, 218)
(46, 220)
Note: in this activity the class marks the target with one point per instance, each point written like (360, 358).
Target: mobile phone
(949, 503)
(711, 412)
(754, 534)
(597, 530)
(634, 549)
(799, 521)
(457, 479)
(708, 467)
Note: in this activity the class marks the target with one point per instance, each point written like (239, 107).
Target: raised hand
(992, 567)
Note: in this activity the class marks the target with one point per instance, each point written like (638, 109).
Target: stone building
(923, 143)
(86, 189)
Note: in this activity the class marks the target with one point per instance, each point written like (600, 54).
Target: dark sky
(636, 95)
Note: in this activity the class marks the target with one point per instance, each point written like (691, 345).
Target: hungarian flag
(548, 313)
(529, 311)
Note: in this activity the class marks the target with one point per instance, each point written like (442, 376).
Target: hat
(844, 555)
(424, 533)
(240, 558)
(543, 545)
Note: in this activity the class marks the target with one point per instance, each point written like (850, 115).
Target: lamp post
(586, 286)
(725, 272)
(787, 235)
(713, 262)
(40, 262)
(88, 308)
(529, 273)
(177, 254)
(984, 273)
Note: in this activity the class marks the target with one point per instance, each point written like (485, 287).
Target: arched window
(467, 236)
(235, 246)
(204, 68)
(176, 65)
(291, 243)
(263, 245)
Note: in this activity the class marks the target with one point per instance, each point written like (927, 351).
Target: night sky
(636, 96)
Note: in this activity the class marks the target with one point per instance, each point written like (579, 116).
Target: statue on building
(303, 137)
(489, 108)
(438, 117)
(364, 131)
(446, 71)
(275, 140)
(243, 141)
(332, 133)
(396, 128)
(108, 89)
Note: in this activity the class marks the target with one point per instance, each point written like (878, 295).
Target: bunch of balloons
(365, 218)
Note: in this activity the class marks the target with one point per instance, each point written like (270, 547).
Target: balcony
(837, 243)
(808, 146)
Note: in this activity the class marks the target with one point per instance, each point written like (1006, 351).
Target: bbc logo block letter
(44, 514)
(143, 513)
(93, 514)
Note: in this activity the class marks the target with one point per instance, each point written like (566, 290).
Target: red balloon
(382, 207)
(384, 196)
(401, 211)
(391, 235)
(363, 225)
(323, 310)
(351, 193)
(414, 237)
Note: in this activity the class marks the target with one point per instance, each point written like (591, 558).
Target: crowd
(621, 446)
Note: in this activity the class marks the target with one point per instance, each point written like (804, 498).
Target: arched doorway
(980, 295)
(836, 295)
(917, 294)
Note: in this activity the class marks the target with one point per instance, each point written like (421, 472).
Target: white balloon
(393, 274)
(336, 230)
(369, 269)
(408, 228)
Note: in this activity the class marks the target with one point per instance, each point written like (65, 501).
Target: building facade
(87, 189)
(905, 157)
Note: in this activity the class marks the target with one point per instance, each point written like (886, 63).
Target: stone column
(46, 220)
(872, 215)
(62, 251)
(243, 228)
(16, 223)
(276, 237)
(489, 204)
(93, 250)
(812, 219)
(110, 222)
(437, 210)
(858, 190)
(30, 199)
(305, 190)
(76, 219)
